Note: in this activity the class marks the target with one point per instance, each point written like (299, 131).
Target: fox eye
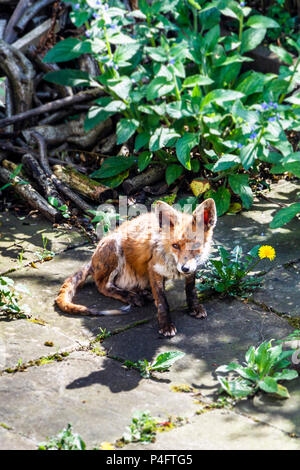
(176, 246)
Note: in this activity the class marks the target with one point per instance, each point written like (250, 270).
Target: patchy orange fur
(141, 253)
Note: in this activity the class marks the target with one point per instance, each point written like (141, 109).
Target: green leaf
(286, 374)
(120, 86)
(282, 54)
(71, 77)
(236, 388)
(144, 160)
(173, 172)
(68, 49)
(194, 80)
(248, 155)
(239, 184)
(125, 129)
(141, 141)
(159, 86)
(116, 180)
(162, 137)
(259, 21)
(226, 161)
(222, 199)
(184, 146)
(125, 52)
(113, 166)
(220, 96)
(166, 360)
(251, 38)
(268, 384)
(285, 215)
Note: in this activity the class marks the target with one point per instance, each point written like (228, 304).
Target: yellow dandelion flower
(266, 251)
(106, 446)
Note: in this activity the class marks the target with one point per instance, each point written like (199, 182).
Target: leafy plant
(161, 363)
(63, 209)
(143, 428)
(44, 254)
(229, 274)
(176, 82)
(263, 369)
(15, 173)
(65, 440)
(10, 296)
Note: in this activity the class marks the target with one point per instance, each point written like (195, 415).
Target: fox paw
(169, 329)
(198, 311)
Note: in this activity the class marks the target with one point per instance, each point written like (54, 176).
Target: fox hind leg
(108, 262)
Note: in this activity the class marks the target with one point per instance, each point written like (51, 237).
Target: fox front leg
(166, 327)
(195, 308)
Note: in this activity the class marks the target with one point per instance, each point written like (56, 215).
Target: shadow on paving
(24, 236)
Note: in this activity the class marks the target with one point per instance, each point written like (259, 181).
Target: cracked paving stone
(21, 340)
(26, 235)
(250, 228)
(222, 430)
(95, 394)
(281, 290)
(9, 440)
(223, 337)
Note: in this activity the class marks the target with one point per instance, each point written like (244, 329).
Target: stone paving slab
(281, 289)
(12, 441)
(95, 394)
(223, 337)
(250, 228)
(23, 341)
(17, 235)
(222, 430)
(282, 414)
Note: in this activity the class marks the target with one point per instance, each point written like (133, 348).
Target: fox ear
(166, 215)
(207, 213)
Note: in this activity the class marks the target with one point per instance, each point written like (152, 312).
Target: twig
(27, 192)
(53, 106)
(77, 200)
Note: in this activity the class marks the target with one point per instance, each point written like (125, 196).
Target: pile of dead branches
(41, 124)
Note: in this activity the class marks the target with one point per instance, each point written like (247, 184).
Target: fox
(132, 263)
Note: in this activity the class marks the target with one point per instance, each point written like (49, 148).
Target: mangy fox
(141, 254)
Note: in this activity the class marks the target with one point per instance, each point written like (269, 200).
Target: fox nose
(185, 269)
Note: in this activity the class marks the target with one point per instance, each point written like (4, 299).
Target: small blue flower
(77, 6)
(243, 4)
(110, 63)
(253, 135)
(272, 119)
(275, 105)
(239, 146)
(106, 7)
(172, 62)
(88, 34)
(265, 106)
(96, 15)
(98, 3)
(112, 26)
(116, 67)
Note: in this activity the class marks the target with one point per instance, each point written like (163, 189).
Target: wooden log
(32, 166)
(71, 131)
(30, 195)
(150, 176)
(83, 184)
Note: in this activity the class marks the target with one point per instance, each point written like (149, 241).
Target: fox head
(187, 237)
